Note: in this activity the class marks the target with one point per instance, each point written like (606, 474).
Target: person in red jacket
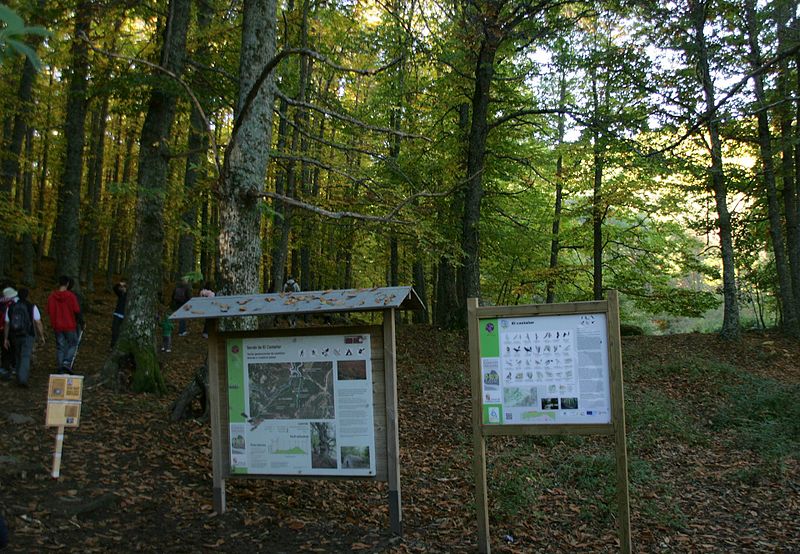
(64, 312)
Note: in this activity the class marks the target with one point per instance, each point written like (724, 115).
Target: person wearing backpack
(64, 313)
(22, 323)
(180, 296)
(7, 368)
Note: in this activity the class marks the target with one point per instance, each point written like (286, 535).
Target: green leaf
(27, 51)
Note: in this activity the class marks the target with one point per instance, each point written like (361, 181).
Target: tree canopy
(515, 151)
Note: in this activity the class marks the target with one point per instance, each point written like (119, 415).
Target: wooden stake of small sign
(57, 453)
(64, 395)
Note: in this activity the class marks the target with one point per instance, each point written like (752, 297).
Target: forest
(518, 152)
(528, 151)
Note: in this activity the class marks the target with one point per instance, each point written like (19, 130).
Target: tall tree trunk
(67, 236)
(555, 246)
(446, 308)
(94, 179)
(783, 10)
(281, 220)
(598, 209)
(418, 273)
(116, 245)
(197, 146)
(394, 262)
(768, 172)
(476, 162)
(28, 252)
(43, 177)
(137, 335)
(10, 167)
(113, 204)
(448, 291)
(730, 321)
(247, 157)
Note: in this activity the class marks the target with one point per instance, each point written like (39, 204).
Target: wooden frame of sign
(492, 416)
(383, 361)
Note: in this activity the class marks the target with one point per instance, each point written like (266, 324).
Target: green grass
(694, 368)
(764, 415)
(652, 416)
(523, 485)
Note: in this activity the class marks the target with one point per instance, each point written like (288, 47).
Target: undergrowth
(765, 416)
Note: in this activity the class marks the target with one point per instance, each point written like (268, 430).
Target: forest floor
(713, 432)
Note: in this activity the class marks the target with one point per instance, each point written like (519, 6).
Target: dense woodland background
(516, 151)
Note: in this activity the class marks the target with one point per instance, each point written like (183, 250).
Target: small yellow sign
(63, 414)
(64, 401)
(65, 387)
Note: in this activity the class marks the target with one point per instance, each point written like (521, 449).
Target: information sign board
(545, 370)
(301, 405)
(64, 394)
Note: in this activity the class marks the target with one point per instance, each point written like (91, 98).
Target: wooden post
(217, 448)
(478, 440)
(392, 430)
(57, 454)
(618, 421)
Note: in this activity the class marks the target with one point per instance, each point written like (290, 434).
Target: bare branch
(327, 213)
(174, 77)
(346, 118)
(270, 67)
(395, 167)
(542, 111)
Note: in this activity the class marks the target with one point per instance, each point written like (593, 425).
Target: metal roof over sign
(343, 300)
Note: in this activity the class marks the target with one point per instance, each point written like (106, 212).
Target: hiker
(166, 333)
(6, 358)
(23, 323)
(3, 533)
(180, 296)
(121, 290)
(65, 314)
(291, 286)
(206, 292)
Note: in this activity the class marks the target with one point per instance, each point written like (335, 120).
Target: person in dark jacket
(65, 313)
(121, 290)
(21, 340)
(180, 296)
(3, 533)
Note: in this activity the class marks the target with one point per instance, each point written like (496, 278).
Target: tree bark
(197, 146)
(137, 335)
(247, 157)
(598, 208)
(67, 236)
(94, 179)
(418, 271)
(281, 220)
(28, 252)
(785, 294)
(10, 170)
(41, 237)
(476, 162)
(783, 10)
(555, 246)
(730, 321)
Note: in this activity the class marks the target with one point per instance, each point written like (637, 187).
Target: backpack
(20, 321)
